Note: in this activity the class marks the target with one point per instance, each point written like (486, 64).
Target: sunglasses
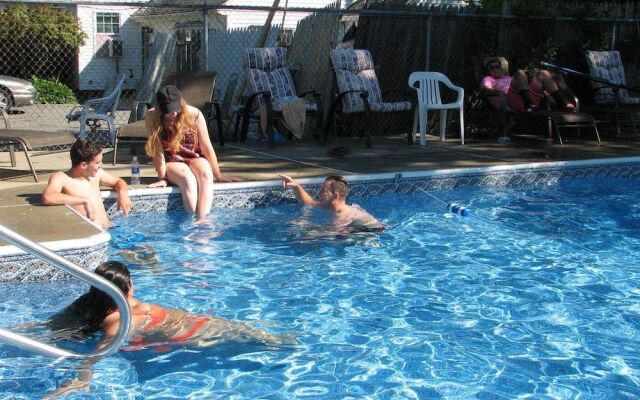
(492, 67)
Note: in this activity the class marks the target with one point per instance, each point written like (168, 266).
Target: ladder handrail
(87, 276)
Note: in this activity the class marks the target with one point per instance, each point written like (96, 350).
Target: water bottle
(457, 209)
(135, 171)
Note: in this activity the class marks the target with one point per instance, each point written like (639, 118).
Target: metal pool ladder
(35, 346)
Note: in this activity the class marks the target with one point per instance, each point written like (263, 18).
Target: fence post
(614, 32)
(427, 61)
(506, 10)
(205, 28)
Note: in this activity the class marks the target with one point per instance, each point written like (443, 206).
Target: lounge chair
(556, 120)
(30, 140)
(270, 82)
(612, 94)
(358, 90)
(197, 88)
(95, 110)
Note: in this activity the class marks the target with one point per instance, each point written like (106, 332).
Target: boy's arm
(301, 195)
(53, 196)
(120, 187)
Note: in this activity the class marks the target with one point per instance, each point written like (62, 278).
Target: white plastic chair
(427, 86)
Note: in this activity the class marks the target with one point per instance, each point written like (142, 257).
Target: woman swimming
(153, 325)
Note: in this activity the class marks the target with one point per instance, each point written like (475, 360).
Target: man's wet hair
(84, 151)
(339, 184)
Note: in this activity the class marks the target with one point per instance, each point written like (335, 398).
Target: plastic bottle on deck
(135, 171)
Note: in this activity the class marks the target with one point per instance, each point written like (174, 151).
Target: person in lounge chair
(80, 186)
(151, 324)
(181, 150)
(332, 197)
(522, 94)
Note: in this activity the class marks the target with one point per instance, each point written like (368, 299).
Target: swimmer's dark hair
(84, 151)
(339, 184)
(95, 305)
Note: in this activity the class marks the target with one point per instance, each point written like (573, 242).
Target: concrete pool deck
(20, 207)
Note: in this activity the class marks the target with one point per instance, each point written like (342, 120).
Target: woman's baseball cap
(169, 99)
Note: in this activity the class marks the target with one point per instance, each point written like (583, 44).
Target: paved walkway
(255, 161)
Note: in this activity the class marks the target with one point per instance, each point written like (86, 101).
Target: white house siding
(96, 72)
(243, 19)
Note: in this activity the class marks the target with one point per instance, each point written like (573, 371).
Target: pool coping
(91, 251)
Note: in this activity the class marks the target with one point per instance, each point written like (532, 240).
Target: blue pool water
(536, 294)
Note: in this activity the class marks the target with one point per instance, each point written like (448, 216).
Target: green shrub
(53, 92)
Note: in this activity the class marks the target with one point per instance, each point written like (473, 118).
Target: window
(108, 23)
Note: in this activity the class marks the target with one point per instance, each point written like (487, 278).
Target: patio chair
(556, 120)
(427, 85)
(30, 140)
(197, 88)
(610, 87)
(358, 90)
(95, 110)
(271, 82)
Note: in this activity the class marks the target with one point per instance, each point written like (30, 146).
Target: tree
(39, 40)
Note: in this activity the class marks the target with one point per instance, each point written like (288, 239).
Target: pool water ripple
(534, 295)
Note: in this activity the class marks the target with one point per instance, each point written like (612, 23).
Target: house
(145, 39)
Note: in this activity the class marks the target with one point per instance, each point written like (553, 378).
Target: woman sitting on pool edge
(152, 324)
(181, 150)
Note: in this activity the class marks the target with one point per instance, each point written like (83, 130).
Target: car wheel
(5, 98)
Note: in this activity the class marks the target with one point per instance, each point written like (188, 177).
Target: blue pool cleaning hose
(457, 209)
(453, 208)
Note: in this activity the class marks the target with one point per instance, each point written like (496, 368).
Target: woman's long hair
(95, 305)
(157, 129)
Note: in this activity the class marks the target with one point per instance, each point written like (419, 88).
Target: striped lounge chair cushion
(354, 70)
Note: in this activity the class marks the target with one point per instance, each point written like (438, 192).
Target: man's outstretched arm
(120, 187)
(301, 195)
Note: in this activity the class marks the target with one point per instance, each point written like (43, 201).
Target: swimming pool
(537, 293)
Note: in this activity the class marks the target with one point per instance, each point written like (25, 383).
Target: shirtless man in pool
(80, 186)
(332, 197)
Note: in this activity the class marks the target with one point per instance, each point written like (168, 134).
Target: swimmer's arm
(53, 196)
(301, 195)
(119, 186)
(85, 372)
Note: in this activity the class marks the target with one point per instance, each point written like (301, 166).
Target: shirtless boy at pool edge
(332, 197)
(80, 186)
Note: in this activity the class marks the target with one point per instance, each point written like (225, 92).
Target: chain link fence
(147, 43)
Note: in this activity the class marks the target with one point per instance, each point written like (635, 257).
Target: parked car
(16, 92)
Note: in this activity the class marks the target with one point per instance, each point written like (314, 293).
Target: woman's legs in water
(204, 176)
(180, 174)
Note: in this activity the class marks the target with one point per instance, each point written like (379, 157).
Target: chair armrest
(455, 88)
(75, 112)
(5, 118)
(209, 107)
(93, 102)
(252, 98)
(138, 110)
(352, 91)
